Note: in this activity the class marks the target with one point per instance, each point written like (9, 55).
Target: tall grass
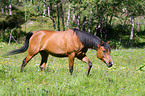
(126, 77)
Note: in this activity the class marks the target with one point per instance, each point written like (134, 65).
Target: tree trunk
(11, 36)
(100, 26)
(83, 27)
(48, 12)
(6, 10)
(97, 27)
(78, 22)
(58, 21)
(53, 23)
(131, 33)
(110, 21)
(125, 22)
(2, 10)
(89, 30)
(25, 16)
(10, 11)
(68, 17)
(31, 1)
(52, 17)
(44, 14)
(132, 27)
(73, 15)
(62, 16)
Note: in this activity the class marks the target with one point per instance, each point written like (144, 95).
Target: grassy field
(125, 78)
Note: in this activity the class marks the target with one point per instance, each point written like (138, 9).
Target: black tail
(24, 48)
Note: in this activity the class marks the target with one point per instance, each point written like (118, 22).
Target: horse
(71, 43)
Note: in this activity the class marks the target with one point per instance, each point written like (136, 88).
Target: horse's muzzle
(109, 65)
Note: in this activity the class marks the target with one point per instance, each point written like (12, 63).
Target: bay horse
(70, 43)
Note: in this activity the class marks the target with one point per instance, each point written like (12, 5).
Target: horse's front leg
(25, 61)
(85, 59)
(71, 62)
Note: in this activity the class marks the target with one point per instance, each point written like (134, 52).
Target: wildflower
(39, 74)
(24, 83)
(122, 88)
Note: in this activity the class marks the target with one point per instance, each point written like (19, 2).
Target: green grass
(123, 79)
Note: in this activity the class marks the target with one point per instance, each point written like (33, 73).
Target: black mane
(89, 40)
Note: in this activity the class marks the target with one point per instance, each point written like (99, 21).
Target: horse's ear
(98, 46)
(102, 42)
(108, 42)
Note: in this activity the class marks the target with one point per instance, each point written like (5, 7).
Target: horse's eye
(104, 51)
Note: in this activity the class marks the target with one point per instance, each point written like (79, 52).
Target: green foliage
(126, 77)
(33, 9)
(116, 44)
(17, 33)
(2, 44)
(108, 19)
(37, 23)
(12, 22)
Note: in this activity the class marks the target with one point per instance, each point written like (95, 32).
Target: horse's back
(55, 42)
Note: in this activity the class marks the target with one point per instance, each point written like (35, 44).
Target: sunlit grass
(124, 78)
(37, 23)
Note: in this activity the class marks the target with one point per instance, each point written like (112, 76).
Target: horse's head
(103, 53)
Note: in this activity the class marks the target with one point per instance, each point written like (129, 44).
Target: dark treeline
(108, 19)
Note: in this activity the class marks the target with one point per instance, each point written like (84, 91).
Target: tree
(133, 9)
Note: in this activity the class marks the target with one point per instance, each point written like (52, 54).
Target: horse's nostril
(110, 64)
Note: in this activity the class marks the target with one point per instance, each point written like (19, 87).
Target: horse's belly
(58, 55)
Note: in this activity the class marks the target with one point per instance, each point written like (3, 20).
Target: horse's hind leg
(44, 56)
(25, 61)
